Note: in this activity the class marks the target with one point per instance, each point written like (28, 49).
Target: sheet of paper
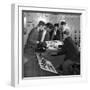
(45, 64)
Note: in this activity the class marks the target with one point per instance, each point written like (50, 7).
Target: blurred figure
(31, 67)
(40, 28)
(42, 37)
(50, 29)
(56, 32)
(34, 37)
(72, 55)
(44, 34)
(63, 27)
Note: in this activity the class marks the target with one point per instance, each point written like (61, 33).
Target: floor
(32, 68)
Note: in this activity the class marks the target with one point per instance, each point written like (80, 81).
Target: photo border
(16, 35)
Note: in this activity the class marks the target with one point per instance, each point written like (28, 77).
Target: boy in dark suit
(56, 32)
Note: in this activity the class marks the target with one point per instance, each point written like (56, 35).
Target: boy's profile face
(56, 28)
(48, 29)
(41, 27)
(62, 26)
(65, 36)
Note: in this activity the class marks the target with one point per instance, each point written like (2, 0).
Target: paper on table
(45, 64)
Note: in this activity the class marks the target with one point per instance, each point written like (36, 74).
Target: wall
(31, 19)
(5, 44)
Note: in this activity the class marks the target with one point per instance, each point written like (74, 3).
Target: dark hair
(63, 23)
(49, 25)
(41, 23)
(66, 32)
(56, 25)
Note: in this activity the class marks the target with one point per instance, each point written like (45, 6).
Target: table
(45, 64)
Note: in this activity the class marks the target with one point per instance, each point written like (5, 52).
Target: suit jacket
(33, 37)
(70, 49)
(57, 36)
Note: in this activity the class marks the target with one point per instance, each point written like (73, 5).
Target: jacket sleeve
(63, 50)
(32, 38)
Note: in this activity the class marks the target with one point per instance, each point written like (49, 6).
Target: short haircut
(49, 25)
(56, 25)
(41, 23)
(63, 23)
(66, 32)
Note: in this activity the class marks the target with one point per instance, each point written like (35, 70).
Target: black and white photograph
(45, 44)
(50, 43)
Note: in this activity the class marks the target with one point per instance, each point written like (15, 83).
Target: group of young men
(45, 32)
